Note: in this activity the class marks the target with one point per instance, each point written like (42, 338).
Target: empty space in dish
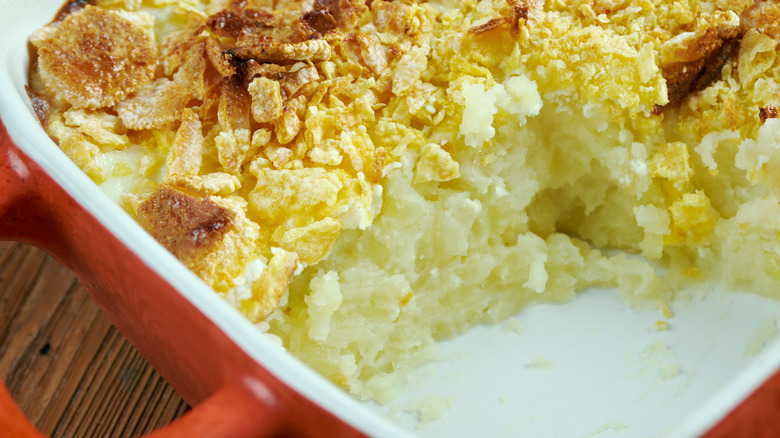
(594, 367)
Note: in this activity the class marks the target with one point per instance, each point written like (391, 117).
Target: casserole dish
(244, 385)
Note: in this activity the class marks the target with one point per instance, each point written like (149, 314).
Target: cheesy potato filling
(364, 179)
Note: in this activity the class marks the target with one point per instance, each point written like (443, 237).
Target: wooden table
(68, 368)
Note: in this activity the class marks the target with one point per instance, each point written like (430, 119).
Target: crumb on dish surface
(365, 180)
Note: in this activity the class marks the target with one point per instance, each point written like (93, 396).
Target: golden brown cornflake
(288, 125)
(757, 53)
(209, 234)
(266, 99)
(279, 156)
(692, 60)
(238, 248)
(234, 105)
(58, 129)
(232, 147)
(357, 146)
(435, 164)
(95, 57)
(43, 35)
(371, 51)
(267, 291)
(297, 76)
(217, 183)
(210, 108)
(81, 151)
(409, 68)
(101, 127)
(155, 105)
(253, 69)
(491, 24)
(186, 154)
(220, 62)
(377, 170)
(418, 96)
(282, 194)
(174, 49)
(518, 10)
(695, 45)
(260, 138)
(150, 165)
(191, 74)
(235, 24)
(327, 15)
(312, 242)
(392, 16)
(189, 225)
(763, 16)
(325, 152)
(281, 53)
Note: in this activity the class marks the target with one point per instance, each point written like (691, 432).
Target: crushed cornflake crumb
(513, 325)
(540, 363)
(430, 408)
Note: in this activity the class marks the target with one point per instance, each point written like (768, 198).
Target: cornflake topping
(94, 57)
(255, 134)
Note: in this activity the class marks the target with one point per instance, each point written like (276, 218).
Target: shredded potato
(368, 178)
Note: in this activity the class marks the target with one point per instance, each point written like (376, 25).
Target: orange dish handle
(758, 416)
(13, 423)
(237, 410)
(240, 408)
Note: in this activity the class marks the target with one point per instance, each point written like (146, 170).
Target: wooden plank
(68, 368)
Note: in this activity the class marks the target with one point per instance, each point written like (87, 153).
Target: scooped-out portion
(365, 178)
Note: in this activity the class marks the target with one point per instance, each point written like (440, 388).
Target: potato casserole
(365, 178)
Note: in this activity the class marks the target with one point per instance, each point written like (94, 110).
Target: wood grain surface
(68, 368)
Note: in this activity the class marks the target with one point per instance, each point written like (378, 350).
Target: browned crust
(257, 36)
(716, 61)
(234, 104)
(210, 107)
(517, 11)
(683, 79)
(70, 7)
(95, 58)
(700, 47)
(490, 25)
(218, 59)
(280, 53)
(234, 24)
(328, 15)
(768, 112)
(680, 80)
(319, 20)
(253, 69)
(187, 224)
